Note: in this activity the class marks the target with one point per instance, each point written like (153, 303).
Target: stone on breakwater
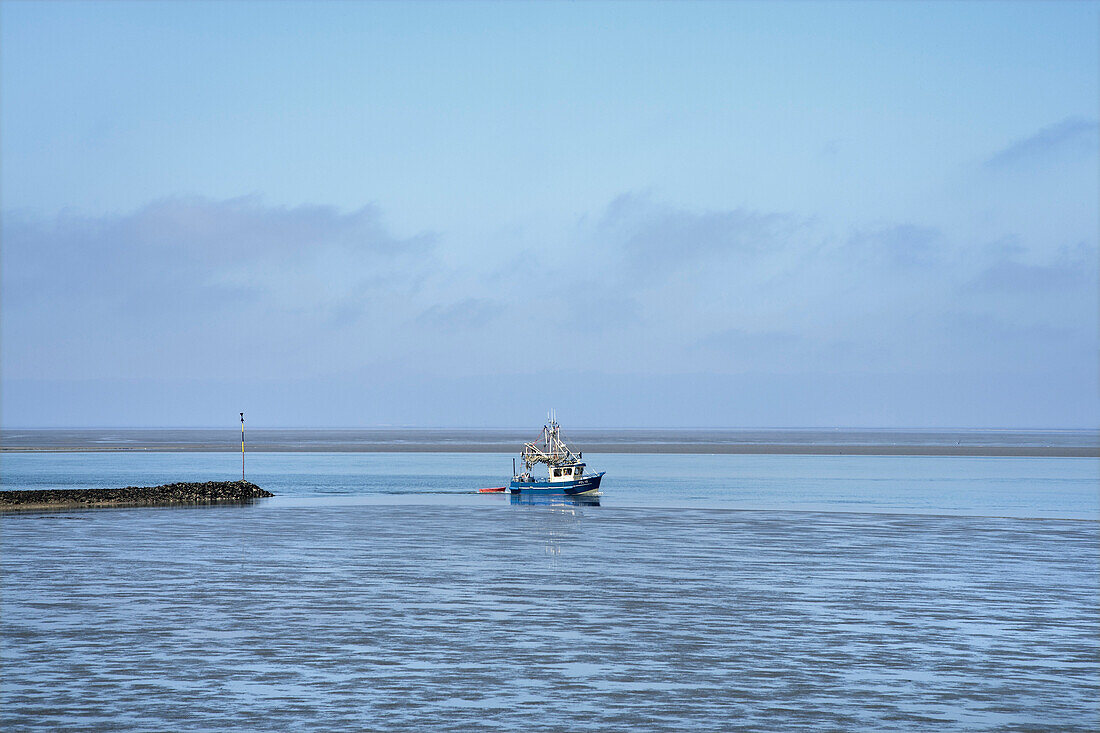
(178, 493)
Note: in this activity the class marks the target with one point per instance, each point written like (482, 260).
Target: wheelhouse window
(568, 471)
(557, 472)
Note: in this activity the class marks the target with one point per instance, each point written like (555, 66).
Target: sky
(662, 214)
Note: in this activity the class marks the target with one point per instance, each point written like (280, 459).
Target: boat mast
(550, 448)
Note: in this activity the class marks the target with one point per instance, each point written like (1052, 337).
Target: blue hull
(586, 485)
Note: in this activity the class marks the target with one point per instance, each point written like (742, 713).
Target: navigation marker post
(242, 446)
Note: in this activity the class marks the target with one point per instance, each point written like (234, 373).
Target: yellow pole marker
(242, 446)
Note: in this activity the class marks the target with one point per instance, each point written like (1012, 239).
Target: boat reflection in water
(555, 520)
(561, 500)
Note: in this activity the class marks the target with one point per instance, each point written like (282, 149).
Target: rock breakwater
(209, 492)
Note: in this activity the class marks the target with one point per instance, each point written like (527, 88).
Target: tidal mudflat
(1062, 443)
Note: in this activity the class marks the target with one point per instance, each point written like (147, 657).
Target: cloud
(200, 289)
(592, 308)
(202, 286)
(204, 250)
(778, 351)
(470, 313)
(1073, 135)
(970, 327)
(735, 339)
(903, 245)
(1071, 269)
(1012, 276)
(650, 233)
(994, 342)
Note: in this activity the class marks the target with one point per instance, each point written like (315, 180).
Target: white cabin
(566, 473)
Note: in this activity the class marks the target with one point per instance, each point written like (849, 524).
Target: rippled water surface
(720, 593)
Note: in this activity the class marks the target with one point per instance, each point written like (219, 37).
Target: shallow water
(339, 605)
(1065, 488)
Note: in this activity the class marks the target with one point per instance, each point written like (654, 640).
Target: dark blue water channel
(711, 592)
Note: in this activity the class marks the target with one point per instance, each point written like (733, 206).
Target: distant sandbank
(1045, 443)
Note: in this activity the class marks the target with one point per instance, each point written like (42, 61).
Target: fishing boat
(565, 470)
